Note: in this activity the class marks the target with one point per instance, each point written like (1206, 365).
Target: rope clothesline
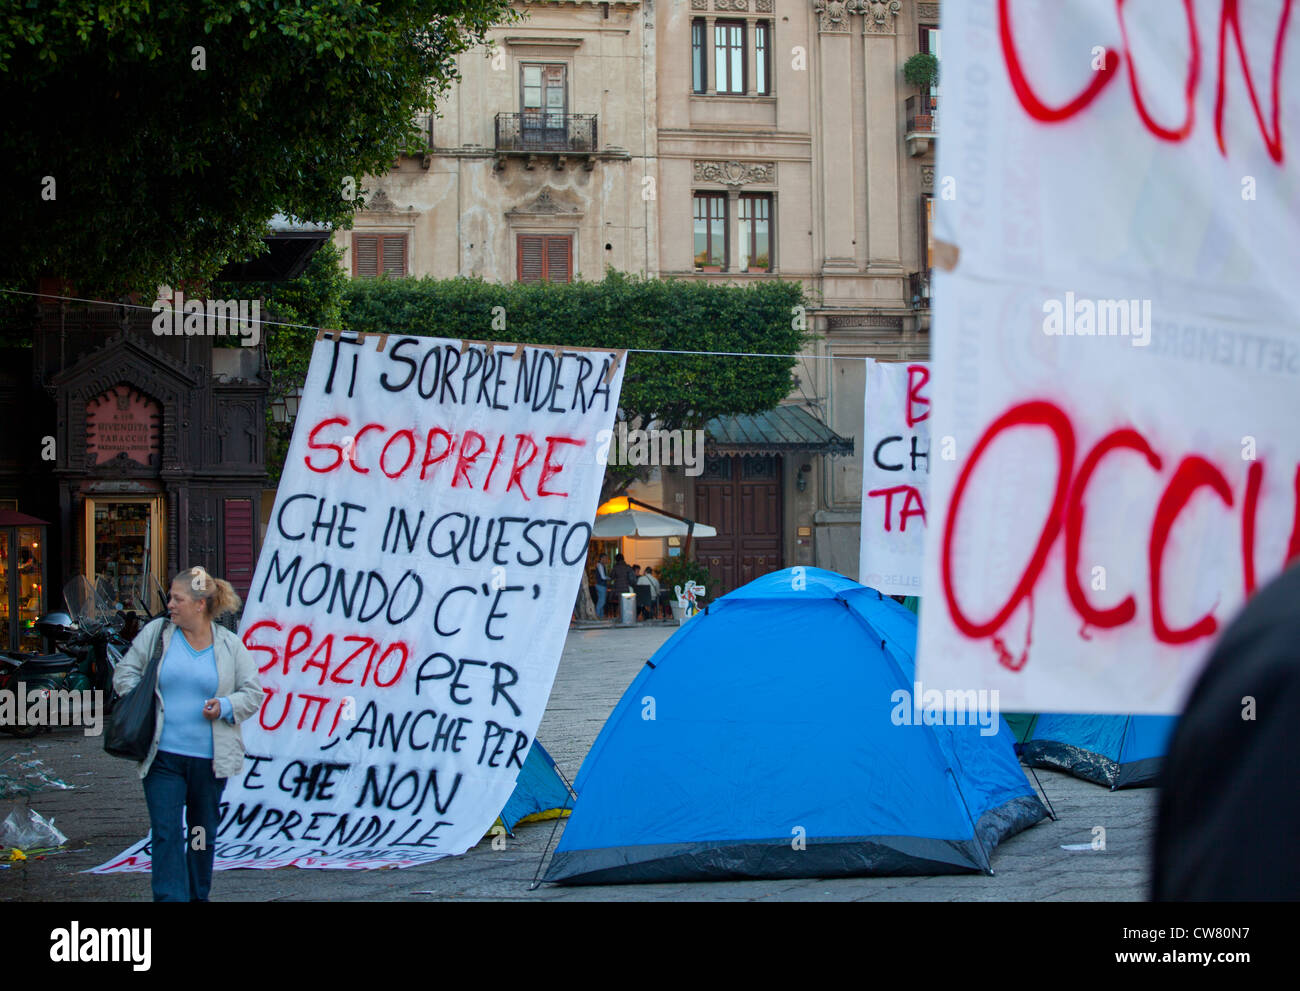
(331, 330)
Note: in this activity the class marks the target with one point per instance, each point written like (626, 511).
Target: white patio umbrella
(644, 523)
(640, 520)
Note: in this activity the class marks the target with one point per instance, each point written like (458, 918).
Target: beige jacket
(236, 680)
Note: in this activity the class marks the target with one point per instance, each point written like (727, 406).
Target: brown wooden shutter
(531, 259)
(393, 256)
(558, 250)
(238, 544)
(365, 255)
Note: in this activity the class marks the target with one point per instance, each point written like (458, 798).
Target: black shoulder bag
(130, 728)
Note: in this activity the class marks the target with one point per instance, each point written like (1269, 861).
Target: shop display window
(22, 586)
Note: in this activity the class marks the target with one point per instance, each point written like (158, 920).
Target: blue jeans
(600, 599)
(182, 873)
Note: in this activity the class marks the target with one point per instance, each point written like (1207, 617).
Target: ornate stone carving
(832, 15)
(863, 322)
(699, 4)
(878, 15)
(735, 173)
(881, 323)
(380, 202)
(927, 11)
(764, 6)
(545, 204)
(731, 4)
(927, 177)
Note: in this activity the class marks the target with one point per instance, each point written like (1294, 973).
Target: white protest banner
(1116, 351)
(895, 476)
(412, 597)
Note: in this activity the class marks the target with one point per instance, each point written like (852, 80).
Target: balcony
(918, 289)
(922, 124)
(558, 137)
(422, 147)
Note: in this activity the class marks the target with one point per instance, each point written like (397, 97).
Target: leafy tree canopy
(618, 312)
(147, 143)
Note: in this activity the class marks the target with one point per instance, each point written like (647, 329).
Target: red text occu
(1190, 475)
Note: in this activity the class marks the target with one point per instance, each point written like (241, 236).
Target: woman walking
(207, 685)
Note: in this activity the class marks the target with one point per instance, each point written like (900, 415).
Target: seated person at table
(647, 578)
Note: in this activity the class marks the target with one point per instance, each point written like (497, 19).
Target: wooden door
(741, 498)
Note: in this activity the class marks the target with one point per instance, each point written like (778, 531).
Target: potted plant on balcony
(759, 264)
(922, 71)
(702, 263)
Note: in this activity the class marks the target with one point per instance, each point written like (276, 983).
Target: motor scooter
(82, 655)
(25, 675)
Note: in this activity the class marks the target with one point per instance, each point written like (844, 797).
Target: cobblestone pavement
(105, 812)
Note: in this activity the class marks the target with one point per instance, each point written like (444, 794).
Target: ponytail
(218, 595)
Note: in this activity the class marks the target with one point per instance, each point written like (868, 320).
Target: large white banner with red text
(1116, 355)
(412, 597)
(895, 476)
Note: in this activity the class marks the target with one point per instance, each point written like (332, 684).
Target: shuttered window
(375, 253)
(240, 559)
(545, 258)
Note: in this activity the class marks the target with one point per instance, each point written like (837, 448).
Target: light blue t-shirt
(187, 678)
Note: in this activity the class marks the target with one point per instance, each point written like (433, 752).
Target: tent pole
(554, 826)
(1050, 810)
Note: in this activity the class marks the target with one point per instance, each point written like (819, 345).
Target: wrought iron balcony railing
(918, 288)
(540, 132)
(922, 115)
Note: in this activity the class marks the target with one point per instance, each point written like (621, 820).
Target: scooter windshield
(92, 609)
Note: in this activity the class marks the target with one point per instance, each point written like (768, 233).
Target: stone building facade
(536, 156)
(723, 140)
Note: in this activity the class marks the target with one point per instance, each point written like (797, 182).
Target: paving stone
(105, 813)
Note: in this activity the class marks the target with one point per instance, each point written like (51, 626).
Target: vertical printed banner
(1116, 346)
(895, 476)
(412, 597)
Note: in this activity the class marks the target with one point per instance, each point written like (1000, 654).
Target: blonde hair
(218, 595)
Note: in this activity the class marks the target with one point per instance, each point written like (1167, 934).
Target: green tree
(146, 144)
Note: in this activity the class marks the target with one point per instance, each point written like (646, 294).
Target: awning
(291, 244)
(783, 430)
(618, 518)
(11, 517)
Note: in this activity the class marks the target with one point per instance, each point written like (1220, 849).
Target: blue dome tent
(1113, 750)
(767, 739)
